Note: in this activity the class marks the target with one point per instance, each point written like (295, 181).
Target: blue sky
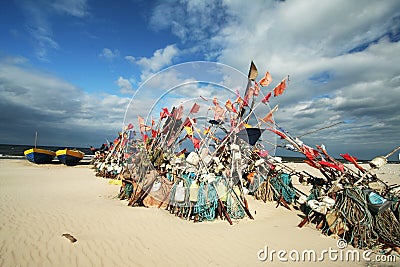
(68, 68)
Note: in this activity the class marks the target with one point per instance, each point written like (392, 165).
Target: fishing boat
(69, 157)
(39, 155)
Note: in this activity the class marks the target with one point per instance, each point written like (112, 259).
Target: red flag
(266, 98)
(310, 152)
(352, 160)
(278, 90)
(331, 165)
(195, 108)
(178, 113)
(229, 106)
(349, 158)
(188, 122)
(130, 126)
(164, 113)
(266, 80)
(196, 142)
(282, 135)
(153, 133)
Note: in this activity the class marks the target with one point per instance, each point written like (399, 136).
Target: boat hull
(39, 156)
(69, 157)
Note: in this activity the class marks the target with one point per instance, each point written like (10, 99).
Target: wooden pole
(36, 139)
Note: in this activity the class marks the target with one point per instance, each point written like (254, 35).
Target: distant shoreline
(17, 151)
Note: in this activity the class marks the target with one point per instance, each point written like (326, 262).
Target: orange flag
(229, 106)
(278, 90)
(268, 117)
(266, 80)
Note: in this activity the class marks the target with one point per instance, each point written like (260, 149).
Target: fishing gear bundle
(202, 172)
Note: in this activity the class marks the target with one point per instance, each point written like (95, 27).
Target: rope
(282, 184)
(353, 208)
(233, 207)
(265, 192)
(258, 180)
(388, 227)
(314, 193)
(128, 190)
(207, 202)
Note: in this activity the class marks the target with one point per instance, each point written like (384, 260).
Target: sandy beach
(40, 203)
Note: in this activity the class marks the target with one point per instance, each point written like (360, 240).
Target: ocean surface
(17, 151)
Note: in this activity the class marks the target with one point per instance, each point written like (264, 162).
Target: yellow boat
(69, 157)
(39, 156)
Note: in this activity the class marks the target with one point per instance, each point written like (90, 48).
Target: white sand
(39, 203)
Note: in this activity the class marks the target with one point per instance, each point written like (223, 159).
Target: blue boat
(69, 157)
(39, 156)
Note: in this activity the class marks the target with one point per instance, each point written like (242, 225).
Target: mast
(35, 139)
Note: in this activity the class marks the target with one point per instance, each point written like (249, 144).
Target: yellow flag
(189, 130)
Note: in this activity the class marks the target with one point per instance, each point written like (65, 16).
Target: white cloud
(161, 58)
(189, 20)
(108, 54)
(77, 8)
(130, 59)
(125, 86)
(341, 56)
(63, 114)
(39, 24)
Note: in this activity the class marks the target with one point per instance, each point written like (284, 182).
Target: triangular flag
(253, 72)
(268, 117)
(266, 98)
(189, 130)
(196, 142)
(195, 108)
(178, 113)
(229, 106)
(164, 113)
